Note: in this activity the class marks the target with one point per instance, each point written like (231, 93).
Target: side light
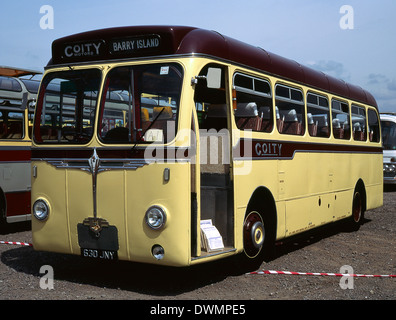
(41, 209)
(155, 217)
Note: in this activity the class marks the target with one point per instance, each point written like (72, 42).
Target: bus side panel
(263, 173)
(375, 186)
(371, 173)
(308, 178)
(342, 204)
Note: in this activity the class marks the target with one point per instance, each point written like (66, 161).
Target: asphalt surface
(370, 251)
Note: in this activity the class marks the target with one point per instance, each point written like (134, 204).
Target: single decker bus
(18, 92)
(177, 145)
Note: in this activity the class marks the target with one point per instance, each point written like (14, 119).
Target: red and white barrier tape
(17, 243)
(323, 274)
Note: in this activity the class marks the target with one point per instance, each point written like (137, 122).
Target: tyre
(254, 235)
(357, 210)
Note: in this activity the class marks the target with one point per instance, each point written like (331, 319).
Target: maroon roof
(190, 40)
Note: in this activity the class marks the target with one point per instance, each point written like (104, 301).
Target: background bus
(148, 107)
(388, 125)
(18, 92)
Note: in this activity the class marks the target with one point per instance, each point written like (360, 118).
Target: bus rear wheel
(253, 234)
(357, 210)
(357, 207)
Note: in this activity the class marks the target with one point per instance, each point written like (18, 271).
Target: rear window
(10, 84)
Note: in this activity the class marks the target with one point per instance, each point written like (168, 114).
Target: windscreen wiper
(147, 129)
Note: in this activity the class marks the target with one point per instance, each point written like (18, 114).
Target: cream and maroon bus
(18, 91)
(178, 145)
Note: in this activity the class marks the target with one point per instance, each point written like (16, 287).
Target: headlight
(155, 217)
(41, 209)
(389, 168)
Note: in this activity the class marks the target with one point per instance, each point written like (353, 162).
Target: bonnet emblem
(95, 224)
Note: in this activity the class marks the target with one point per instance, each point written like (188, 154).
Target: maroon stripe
(246, 148)
(14, 155)
(261, 149)
(18, 203)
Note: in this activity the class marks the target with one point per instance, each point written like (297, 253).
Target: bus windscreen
(67, 109)
(141, 104)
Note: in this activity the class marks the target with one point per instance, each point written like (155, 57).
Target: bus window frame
(8, 110)
(137, 135)
(363, 133)
(373, 134)
(318, 131)
(346, 133)
(258, 125)
(301, 126)
(41, 111)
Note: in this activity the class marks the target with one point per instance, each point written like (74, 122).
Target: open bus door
(212, 196)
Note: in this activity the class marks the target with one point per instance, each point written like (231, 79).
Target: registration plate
(99, 254)
(104, 246)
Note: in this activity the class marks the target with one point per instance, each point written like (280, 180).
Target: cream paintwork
(125, 195)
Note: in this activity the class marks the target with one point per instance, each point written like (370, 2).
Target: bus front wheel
(253, 234)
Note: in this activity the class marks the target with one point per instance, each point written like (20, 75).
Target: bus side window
(253, 103)
(290, 103)
(341, 120)
(15, 125)
(359, 123)
(11, 125)
(373, 126)
(318, 115)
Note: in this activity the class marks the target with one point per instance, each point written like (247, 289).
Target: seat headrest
(291, 115)
(357, 126)
(246, 110)
(336, 123)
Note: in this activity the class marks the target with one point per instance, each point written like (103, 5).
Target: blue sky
(307, 31)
